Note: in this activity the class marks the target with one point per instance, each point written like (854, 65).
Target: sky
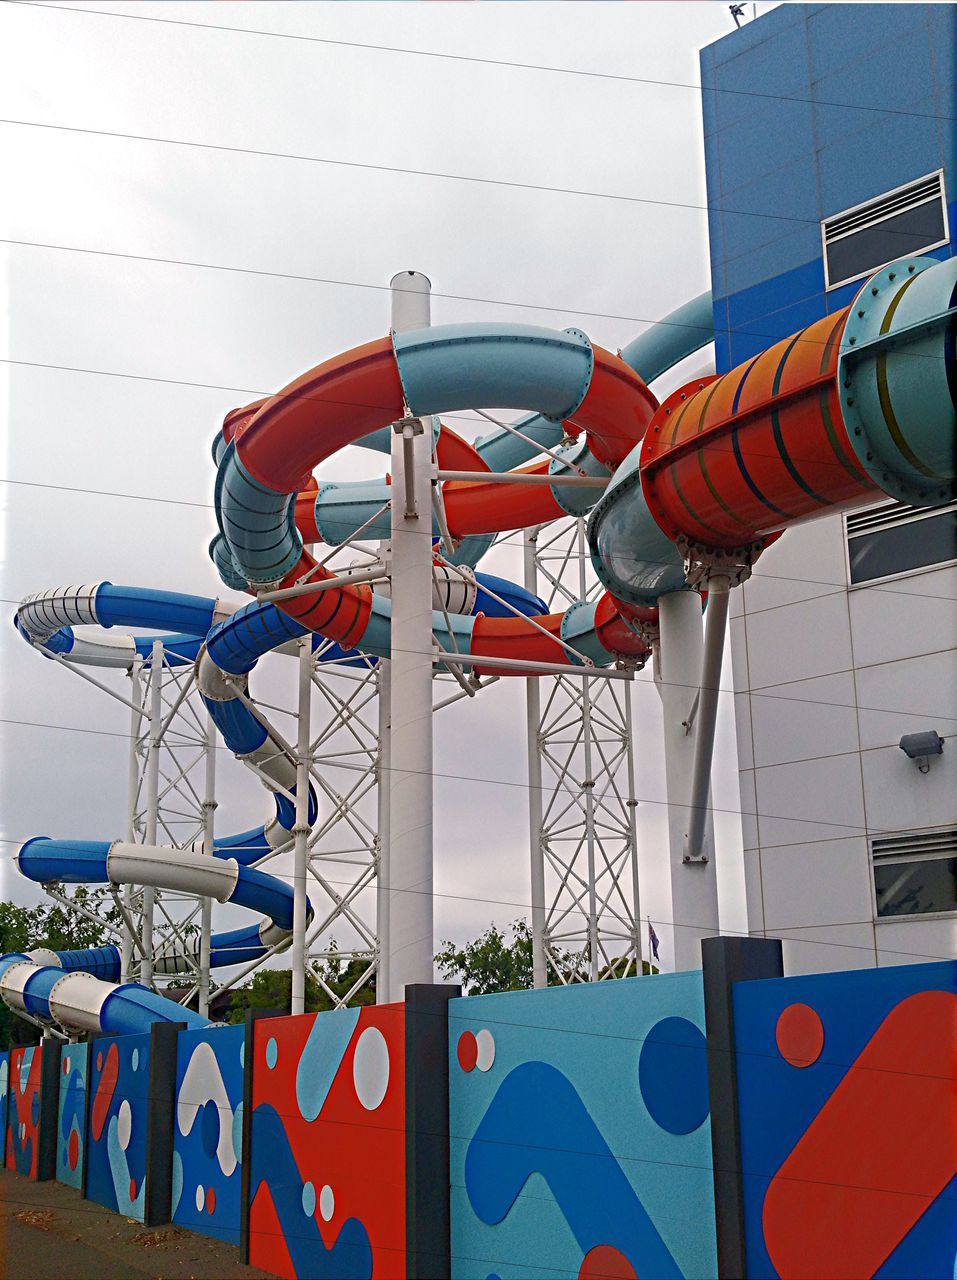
(623, 243)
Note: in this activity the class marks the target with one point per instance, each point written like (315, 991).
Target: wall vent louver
(900, 223)
(916, 844)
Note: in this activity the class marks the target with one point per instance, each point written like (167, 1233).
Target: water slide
(856, 406)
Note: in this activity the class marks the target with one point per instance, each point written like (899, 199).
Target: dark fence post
(245, 1172)
(427, 1246)
(726, 961)
(50, 1051)
(159, 1123)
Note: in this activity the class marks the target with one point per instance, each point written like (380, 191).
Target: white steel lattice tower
(584, 855)
(343, 846)
(172, 770)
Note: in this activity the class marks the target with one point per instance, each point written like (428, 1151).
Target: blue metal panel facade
(830, 105)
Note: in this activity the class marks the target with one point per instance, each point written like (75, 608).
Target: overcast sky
(535, 256)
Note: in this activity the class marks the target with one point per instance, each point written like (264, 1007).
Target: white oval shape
(485, 1043)
(124, 1124)
(370, 1068)
(200, 1199)
(327, 1203)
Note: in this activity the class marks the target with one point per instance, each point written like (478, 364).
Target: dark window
(915, 888)
(915, 872)
(896, 545)
(902, 222)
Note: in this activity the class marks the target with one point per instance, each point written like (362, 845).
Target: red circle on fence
(605, 1262)
(467, 1051)
(800, 1035)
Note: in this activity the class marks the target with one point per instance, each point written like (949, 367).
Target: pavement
(49, 1232)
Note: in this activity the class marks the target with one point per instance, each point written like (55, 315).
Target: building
(830, 150)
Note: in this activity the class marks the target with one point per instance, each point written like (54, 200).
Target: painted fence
(566, 1133)
(327, 1156)
(4, 1096)
(116, 1138)
(71, 1114)
(848, 1123)
(207, 1132)
(579, 1132)
(23, 1110)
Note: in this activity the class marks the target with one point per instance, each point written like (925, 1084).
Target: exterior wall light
(919, 747)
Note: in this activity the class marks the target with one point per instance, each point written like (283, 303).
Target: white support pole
(588, 783)
(632, 803)
(533, 706)
(383, 797)
(152, 804)
(206, 911)
(410, 778)
(133, 787)
(694, 897)
(301, 829)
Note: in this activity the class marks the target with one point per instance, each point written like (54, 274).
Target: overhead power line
(545, 68)
(399, 169)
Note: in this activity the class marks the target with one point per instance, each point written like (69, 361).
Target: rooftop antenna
(737, 12)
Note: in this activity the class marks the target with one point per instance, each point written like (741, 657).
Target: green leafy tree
(272, 988)
(58, 927)
(497, 962)
(492, 962)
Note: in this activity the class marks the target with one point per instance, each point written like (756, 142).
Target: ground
(49, 1232)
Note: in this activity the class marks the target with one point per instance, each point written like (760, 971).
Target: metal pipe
(410, 777)
(533, 713)
(716, 622)
(301, 830)
(541, 668)
(374, 573)
(152, 805)
(512, 477)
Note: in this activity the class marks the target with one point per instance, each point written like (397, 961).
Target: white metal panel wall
(826, 681)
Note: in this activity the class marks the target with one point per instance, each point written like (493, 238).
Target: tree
(493, 963)
(272, 988)
(57, 927)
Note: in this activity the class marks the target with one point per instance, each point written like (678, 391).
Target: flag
(653, 940)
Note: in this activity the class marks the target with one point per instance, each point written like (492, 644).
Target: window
(904, 221)
(915, 874)
(896, 538)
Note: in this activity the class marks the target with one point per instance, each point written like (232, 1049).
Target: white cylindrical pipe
(301, 830)
(410, 777)
(77, 999)
(179, 870)
(632, 803)
(411, 301)
(588, 782)
(694, 896)
(152, 805)
(383, 873)
(533, 711)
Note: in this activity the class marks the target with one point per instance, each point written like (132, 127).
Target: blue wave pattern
(272, 1163)
(207, 1131)
(559, 1142)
